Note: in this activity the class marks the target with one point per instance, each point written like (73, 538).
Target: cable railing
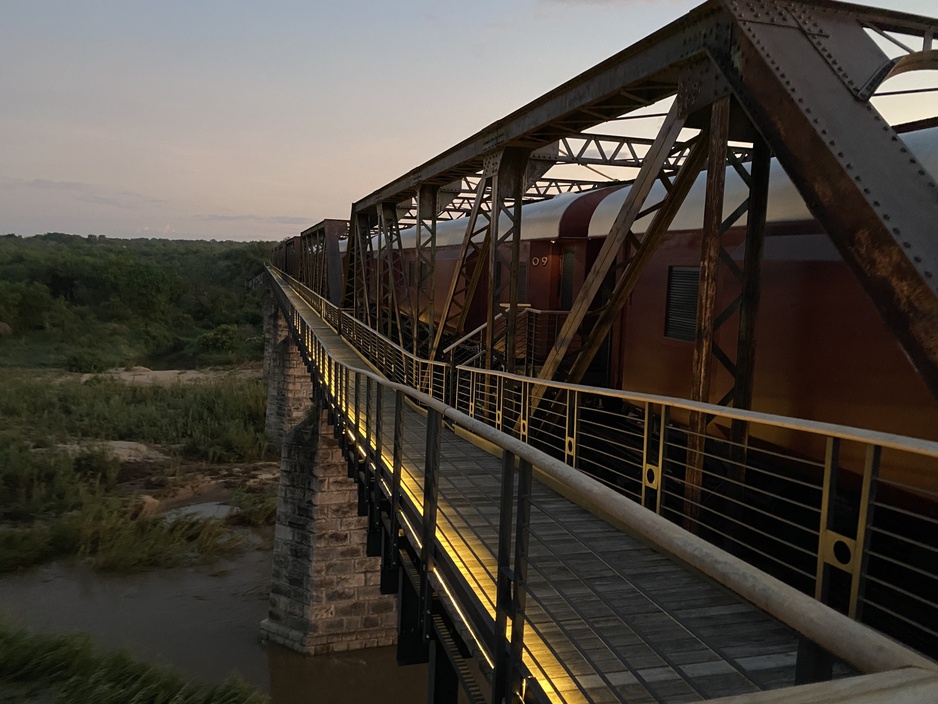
(849, 516)
(399, 365)
(846, 515)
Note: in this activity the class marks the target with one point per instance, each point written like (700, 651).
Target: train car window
(680, 321)
(566, 279)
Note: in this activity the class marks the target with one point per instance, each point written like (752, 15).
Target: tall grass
(68, 669)
(55, 503)
(217, 420)
(106, 533)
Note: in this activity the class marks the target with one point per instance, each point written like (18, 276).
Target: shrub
(67, 669)
(85, 362)
(224, 338)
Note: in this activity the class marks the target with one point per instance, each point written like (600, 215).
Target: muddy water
(203, 621)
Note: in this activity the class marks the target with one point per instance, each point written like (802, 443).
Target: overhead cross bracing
(800, 76)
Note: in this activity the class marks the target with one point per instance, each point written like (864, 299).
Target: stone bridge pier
(324, 594)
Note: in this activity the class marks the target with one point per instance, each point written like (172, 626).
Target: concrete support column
(288, 381)
(324, 595)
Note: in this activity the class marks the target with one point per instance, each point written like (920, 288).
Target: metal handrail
(526, 311)
(905, 443)
(857, 645)
(468, 336)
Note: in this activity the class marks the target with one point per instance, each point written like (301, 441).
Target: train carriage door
(567, 273)
(599, 372)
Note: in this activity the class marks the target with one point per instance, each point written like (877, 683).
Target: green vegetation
(55, 503)
(86, 304)
(216, 421)
(66, 669)
(255, 507)
(90, 303)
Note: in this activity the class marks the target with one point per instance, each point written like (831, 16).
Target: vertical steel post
(525, 419)
(394, 273)
(431, 487)
(746, 334)
(358, 259)
(864, 529)
(359, 458)
(425, 266)
(571, 427)
(651, 460)
(499, 402)
(828, 504)
(706, 302)
(358, 416)
(814, 664)
(520, 574)
(389, 563)
(373, 467)
(507, 192)
(503, 581)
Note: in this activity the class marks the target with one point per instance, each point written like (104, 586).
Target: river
(204, 622)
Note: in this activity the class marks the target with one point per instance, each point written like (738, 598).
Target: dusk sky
(253, 120)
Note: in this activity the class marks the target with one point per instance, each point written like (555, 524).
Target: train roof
(573, 215)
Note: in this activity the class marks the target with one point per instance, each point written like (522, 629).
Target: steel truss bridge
(556, 542)
(521, 579)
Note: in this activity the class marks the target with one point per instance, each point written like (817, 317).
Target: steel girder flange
(803, 73)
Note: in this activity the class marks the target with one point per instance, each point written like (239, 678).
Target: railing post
(653, 458)
(363, 445)
(472, 393)
(864, 529)
(357, 432)
(524, 421)
(813, 663)
(452, 386)
(373, 460)
(573, 402)
(520, 574)
(499, 402)
(389, 562)
(431, 481)
(828, 504)
(503, 582)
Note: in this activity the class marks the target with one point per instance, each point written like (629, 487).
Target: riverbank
(203, 622)
(100, 468)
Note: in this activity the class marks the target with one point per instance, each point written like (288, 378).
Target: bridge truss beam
(803, 73)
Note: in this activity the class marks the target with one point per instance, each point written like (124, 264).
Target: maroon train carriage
(823, 351)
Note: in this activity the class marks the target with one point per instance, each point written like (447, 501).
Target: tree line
(90, 303)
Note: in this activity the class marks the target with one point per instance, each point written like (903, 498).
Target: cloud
(265, 219)
(84, 192)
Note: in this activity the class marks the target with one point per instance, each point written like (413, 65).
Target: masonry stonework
(289, 386)
(324, 594)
